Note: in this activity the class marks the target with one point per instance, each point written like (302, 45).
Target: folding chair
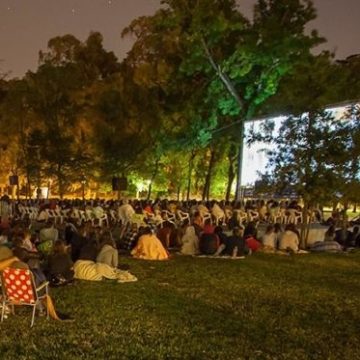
(18, 288)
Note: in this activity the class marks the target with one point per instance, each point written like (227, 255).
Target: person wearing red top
(252, 243)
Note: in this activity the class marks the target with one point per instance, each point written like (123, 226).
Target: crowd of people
(61, 250)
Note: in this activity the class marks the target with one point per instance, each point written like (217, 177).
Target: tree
(237, 64)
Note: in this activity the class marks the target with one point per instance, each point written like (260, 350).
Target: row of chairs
(28, 212)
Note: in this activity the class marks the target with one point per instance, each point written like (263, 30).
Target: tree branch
(224, 78)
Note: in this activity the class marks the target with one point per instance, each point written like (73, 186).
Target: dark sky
(27, 25)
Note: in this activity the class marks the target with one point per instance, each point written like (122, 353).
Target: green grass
(263, 307)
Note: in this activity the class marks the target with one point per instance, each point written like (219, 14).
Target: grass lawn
(263, 307)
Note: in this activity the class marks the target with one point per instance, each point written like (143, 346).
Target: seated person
(220, 234)
(87, 269)
(48, 236)
(252, 244)
(343, 235)
(269, 239)
(208, 227)
(330, 233)
(198, 224)
(353, 239)
(234, 245)
(21, 251)
(250, 237)
(78, 239)
(149, 247)
(234, 221)
(108, 253)
(166, 234)
(31, 258)
(190, 242)
(60, 265)
(250, 230)
(130, 236)
(209, 243)
(289, 241)
(89, 251)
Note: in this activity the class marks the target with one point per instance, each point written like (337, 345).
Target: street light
(83, 183)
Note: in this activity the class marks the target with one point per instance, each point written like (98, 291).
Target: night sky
(27, 25)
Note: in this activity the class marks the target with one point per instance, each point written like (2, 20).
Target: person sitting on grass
(330, 234)
(354, 237)
(343, 235)
(85, 268)
(60, 265)
(108, 253)
(220, 234)
(209, 241)
(166, 234)
(149, 247)
(234, 245)
(48, 236)
(190, 242)
(250, 238)
(289, 241)
(198, 224)
(129, 236)
(269, 239)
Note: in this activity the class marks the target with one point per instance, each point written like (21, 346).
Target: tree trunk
(238, 194)
(153, 176)
(28, 187)
(231, 177)
(206, 190)
(305, 226)
(61, 185)
(191, 163)
(354, 209)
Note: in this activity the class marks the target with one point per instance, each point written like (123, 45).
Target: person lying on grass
(85, 268)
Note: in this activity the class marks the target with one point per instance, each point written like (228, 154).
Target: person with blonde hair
(149, 247)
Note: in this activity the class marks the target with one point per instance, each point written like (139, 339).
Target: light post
(83, 183)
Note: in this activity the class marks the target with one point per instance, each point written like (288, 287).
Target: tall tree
(236, 64)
